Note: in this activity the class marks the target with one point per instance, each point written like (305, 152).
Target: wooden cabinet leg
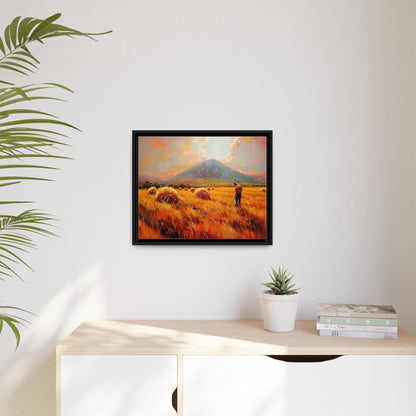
(179, 394)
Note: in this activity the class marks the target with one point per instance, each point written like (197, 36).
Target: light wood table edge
(237, 337)
(58, 383)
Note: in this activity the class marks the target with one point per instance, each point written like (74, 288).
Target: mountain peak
(210, 162)
(211, 170)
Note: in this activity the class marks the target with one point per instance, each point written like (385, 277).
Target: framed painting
(202, 187)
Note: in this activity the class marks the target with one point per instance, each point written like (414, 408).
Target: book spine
(389, 329)
(356, 334)
(336, 320)
(380, 315)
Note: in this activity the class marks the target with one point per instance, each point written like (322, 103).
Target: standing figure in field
(238, 190)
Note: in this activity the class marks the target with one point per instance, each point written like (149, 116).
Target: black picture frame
(136, 134)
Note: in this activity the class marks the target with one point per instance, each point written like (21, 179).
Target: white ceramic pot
(279, 311)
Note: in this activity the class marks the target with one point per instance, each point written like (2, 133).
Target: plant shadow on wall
(30, 140)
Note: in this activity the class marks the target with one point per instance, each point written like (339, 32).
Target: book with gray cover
(357, 334)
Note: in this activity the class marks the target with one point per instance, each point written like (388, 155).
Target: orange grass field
(195, 218)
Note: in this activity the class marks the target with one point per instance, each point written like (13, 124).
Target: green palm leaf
(12, 320)
(21, 32)
(25, 134)
(16, 233)
(21, 138)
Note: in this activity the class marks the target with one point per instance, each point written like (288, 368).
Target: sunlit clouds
(167, 156)
(247, 154)
(163, 157)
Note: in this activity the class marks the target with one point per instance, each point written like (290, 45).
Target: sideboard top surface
(220, 337)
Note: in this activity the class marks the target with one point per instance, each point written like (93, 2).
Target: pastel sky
(163, 157)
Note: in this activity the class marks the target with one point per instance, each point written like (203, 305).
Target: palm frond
(22, 31)
(13, 320)
(21, 138)
(25, 134)
(16, 236)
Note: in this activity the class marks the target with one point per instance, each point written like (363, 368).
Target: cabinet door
(353, 385)
(259, 385)
(233, 385)
(117, 385)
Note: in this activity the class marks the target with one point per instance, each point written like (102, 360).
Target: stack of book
(357, 321)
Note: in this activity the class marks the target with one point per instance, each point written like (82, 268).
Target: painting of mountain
(205, 173)
(143, 179)
(212, 171)
(204, 188)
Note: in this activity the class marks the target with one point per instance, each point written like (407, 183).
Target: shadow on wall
(28, 387)
(250, 302)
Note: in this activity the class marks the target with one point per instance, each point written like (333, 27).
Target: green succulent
(281, 282)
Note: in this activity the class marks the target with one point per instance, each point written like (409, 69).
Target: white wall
(333, 79)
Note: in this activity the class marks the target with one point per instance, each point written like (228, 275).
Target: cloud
(163, 157)
(247, 154)
(167, 156)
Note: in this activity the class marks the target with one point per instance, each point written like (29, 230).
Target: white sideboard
(223, 368)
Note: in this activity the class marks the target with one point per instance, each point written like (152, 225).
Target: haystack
(167, 194)
(202, 194)
(152, 190)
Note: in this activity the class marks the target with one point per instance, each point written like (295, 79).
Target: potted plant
(280, 301)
